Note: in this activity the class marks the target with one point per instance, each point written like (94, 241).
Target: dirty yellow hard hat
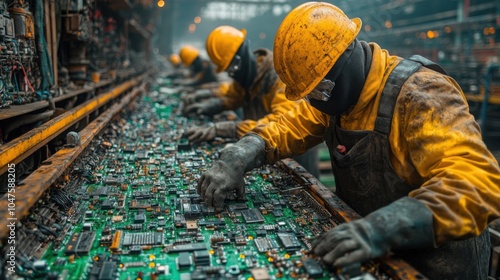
(188, 54)
(223, 43)
(308, 42)
(175, 59)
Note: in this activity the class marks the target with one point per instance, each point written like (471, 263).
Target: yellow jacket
(263, 103)
(436, 145)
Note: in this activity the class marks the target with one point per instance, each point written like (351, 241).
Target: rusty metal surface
(393, 266)
(29, 191)
(19, 148)
(17, 110)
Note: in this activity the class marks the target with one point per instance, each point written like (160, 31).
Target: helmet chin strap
(349, 75)
(246, 75)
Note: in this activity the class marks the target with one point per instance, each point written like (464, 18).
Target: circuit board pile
(129, 209)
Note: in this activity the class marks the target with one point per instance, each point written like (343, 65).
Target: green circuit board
(129, 210)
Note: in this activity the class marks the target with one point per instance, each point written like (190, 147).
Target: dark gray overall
(366, 180)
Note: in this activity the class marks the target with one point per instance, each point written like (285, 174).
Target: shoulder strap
(427, 63)
(395, 81)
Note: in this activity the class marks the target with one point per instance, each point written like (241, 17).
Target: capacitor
(18, 14)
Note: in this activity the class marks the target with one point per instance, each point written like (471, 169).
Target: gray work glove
(220, 129)
(404, 224)
(226, 174)
(207, 107)
(197, 96)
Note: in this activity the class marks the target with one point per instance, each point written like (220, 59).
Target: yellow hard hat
(308, 42)
(223, 43)
(188, 54)
(175, 59)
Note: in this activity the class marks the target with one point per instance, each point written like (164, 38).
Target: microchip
(252, 216)
(143, 238)
(262, 244)
(191, 225)
(238, 206)
(313, 268)
(184, 260)
(108, 204)
(201, 258)
(107, 271)
(187, 248)
(261, 232)
(289, 241)
(140, 218)
(278, 213)
(260, 274)
(135, 249)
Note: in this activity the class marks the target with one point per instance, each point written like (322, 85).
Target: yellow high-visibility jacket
(264, 102)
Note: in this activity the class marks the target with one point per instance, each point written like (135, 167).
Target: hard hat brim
(222, 68)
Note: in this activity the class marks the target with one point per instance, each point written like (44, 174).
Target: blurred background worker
(201, 69)
(175, 60)
(177, 71)
(256, 87)
(406, 153)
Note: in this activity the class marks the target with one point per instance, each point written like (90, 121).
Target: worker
(201, 69)
(175, 60)
(406, 153)
(177, 71)
(255, 87)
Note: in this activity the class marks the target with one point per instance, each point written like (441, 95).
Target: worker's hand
(197, 96)
(219, 181)
(404, 224)
(349, 243)
(226, 175)
(199, 134)
(208, 107)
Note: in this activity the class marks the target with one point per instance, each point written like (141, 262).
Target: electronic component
(252, 216)
(260, 274)
(313, 268)
(184, 260)
(80, 243)
(262, 244)
(187, 247)
(289, 241)
(107, 271)
(142, 238)
(201, 258)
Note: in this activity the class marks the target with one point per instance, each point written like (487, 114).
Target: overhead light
(192, 28)
(161, 3)
(197, 19)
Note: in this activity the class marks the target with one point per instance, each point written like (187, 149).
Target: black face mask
(248, 70)
(197, 65)
(349, 74)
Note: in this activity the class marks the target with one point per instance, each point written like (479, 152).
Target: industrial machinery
(127, 208)
(19, 74)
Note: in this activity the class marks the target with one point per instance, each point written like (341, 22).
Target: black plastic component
(107, 271)
(140, 218)
(252, 216)
(289, 241)
(184, 260)
(313, 268)
(261, 233)
(188, 247)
